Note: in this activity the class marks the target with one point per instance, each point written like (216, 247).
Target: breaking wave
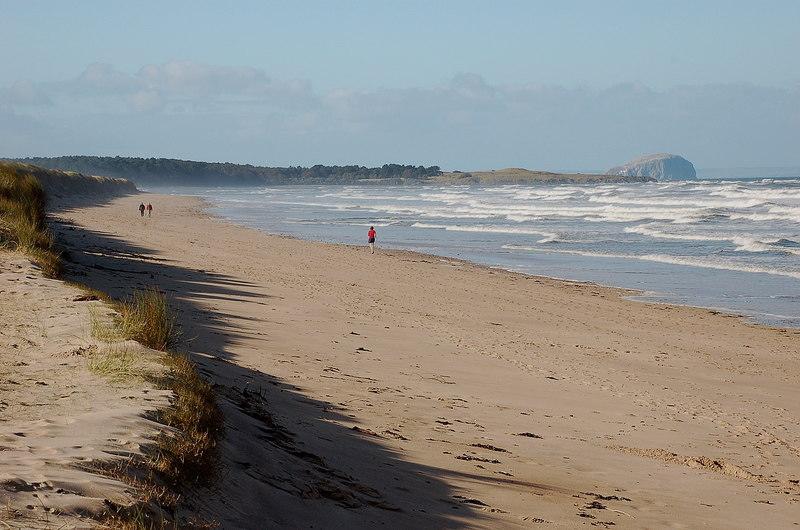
(736, 226)
(664, 258)
(547, 236)
(742, 242)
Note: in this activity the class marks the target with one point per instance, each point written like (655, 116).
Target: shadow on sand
(287, 460)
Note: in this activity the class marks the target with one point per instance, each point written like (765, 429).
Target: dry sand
(56, 414)
(411, 391)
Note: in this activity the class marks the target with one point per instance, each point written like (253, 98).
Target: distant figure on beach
(371, 239)
(141, 209)
(149, 210)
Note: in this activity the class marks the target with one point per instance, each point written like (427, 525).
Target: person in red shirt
(371, 239)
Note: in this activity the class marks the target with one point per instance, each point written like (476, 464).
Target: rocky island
(661, 166)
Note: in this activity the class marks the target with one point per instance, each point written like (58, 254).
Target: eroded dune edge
(102, 421)
(399, 389)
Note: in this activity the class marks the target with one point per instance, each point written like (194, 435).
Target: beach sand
(412, 391)
(58, 415)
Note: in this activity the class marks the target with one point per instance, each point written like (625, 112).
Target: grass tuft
(189, 455)
(154, 500)
(117, 364)
(105, 327)
(146, 318)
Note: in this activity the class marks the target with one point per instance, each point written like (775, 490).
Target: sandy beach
(58, 415)
(411, 391)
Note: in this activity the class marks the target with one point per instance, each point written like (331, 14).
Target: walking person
(371, 239)
(149, 210)
(141, 209)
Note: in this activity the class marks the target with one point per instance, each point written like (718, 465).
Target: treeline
(169, 171)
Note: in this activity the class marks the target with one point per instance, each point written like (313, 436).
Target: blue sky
(555, 85)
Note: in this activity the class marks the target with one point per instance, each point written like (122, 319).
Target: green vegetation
(105, 327)
(168, 171)
(23, 224)
(190, 455)
(118, 364)
(186, 455)
(146, 318)
(22, 217)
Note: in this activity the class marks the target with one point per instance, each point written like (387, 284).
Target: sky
(570, 85)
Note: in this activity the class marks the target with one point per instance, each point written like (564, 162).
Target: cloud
(146, 101)
(175, 86)
(101, 79)
(195, 110)
(183, 77)
(24, 94)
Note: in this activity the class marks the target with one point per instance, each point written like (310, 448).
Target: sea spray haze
(725, 244)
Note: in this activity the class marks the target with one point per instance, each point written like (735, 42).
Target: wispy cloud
(24, 94)
(238, 113)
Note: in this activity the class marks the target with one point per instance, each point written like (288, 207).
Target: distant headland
(515, 175)
(168, 171)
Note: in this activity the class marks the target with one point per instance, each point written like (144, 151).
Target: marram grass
(187, 454)
(118, 364)
(22, 217)
(147, 319)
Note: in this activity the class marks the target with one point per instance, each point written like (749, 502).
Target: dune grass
(22, 217)
(146, 318)
(118, 364)
(154, 501)
(187, 454)
(104, 327)
(190, 455)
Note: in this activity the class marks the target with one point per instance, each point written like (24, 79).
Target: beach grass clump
(181, 457)
(23, 224)
(105, 327)
(119, 364)
(189, 455)
(154, 500)
(146, 318)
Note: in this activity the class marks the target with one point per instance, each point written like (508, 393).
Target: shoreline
(413, 390)
(633, 295)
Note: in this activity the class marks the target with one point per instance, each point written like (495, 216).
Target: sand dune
(57, 416)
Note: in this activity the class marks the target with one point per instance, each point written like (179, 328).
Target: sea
(729, 245)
